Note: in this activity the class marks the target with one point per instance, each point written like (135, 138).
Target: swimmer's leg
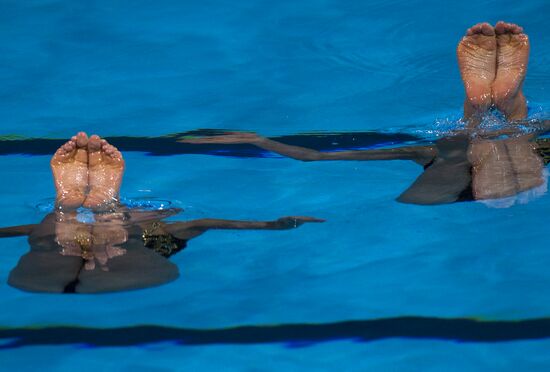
(105, 170)
(512, 58)
(70, 172)
(477, 59)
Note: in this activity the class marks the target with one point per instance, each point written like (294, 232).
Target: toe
(512, 28)
(81, 139)
(115, 154)
(68, 147)
(60, 154)
(475, 29)
(517, 29)
(486, 29)
(483, 28)
(64, 152)
(507, 28)
(94, 144)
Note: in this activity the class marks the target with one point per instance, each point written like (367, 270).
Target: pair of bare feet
(493, 65)
(87, 172)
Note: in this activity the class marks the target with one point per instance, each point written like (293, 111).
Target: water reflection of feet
(87, 172)
(504, 168)
(97, 243)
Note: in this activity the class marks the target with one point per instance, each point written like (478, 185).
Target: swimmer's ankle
(102, 206)
(69, 202)
(513, 108)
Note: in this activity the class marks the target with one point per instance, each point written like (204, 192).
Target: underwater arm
(12, 231)
(420, 154)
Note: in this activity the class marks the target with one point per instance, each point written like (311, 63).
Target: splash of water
(141, 203)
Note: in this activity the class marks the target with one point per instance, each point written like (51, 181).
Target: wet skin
(109, 253)
(493, 63)
(87, 172)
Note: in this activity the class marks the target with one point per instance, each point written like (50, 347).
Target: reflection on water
(70, 254)
(465, 169)
(105, 252)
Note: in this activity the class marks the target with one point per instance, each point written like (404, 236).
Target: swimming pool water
(151, 69)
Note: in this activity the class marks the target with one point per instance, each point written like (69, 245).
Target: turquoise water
(152, 69)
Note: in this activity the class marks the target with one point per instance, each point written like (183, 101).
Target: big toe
(81, 139)
(481, 35)
(81, 142)
(94, 144)
(481, 29)
(94, 150)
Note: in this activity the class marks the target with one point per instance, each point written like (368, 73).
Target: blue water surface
(154, 68)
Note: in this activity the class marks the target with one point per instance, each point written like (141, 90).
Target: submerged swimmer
(470, 165)
(116, 248)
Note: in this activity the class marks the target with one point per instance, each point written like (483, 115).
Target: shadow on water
(294, 335)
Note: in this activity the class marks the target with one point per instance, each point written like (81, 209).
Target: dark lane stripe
(462, 330)
(168, 145)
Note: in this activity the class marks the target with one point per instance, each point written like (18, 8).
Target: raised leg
(70, 172)
(477, 61)
(105, 170)
(512, 58)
